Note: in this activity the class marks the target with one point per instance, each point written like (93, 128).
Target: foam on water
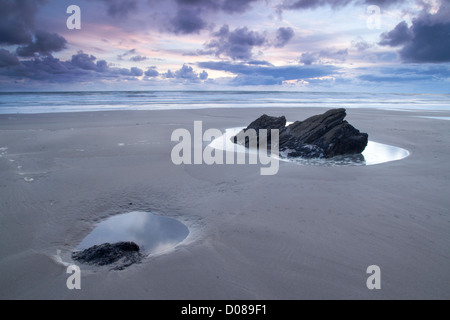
(435, 118)
(54, 102)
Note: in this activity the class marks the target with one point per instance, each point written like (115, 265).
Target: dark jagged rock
(321, 136)
(121, 254)
(263, 122)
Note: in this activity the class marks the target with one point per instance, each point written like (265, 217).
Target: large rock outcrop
(120, 255)
(321, 136)
(263, 122)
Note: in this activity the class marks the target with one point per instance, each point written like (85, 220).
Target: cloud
(426, 40)
(259, 63)
(361, 45)
(269, 75)
(138, 58)
(120, 8)
(237, 44)
(136, 72)
(398, 36)
(187, 74)
(126, 53)
(44, 43)
(191, 15)
(17, 20)
(335, 4)
(312, 4)
(7, 59)
(81, 67)
(229, 6)
(169, 75)
(203, 75)
(284, 35)
(187, 20)
(134, 56)
(324, 56)
(236, 6)
(84, 61)
(151, 72)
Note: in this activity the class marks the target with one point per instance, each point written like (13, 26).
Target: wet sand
(308, 232)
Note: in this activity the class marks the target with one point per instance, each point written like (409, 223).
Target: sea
(55, 102)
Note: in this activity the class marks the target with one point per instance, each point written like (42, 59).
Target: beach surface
(308, 232)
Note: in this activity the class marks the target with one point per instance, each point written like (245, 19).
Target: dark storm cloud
(237, 44)
(17, 20)
(81, 68)
(426, 40)
(269, 75)
(398, 36)
(84, 61)
(120, 8)
(229, 6)
(236, 6)
(284, 35)
(8, 59)
(191, 16)
(187, 20)
(44, 43)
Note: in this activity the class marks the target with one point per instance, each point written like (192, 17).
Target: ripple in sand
(375, 153)
(154, 234)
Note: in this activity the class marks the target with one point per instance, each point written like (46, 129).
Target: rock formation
(321, 136)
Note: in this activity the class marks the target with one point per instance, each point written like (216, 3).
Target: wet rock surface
(322, 136)
(119, 255)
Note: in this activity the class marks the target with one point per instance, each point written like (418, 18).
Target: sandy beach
(308, 232)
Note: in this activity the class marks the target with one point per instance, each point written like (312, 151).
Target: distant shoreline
(79, 101)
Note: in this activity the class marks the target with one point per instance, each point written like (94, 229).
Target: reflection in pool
(375, 153)
(151, 232)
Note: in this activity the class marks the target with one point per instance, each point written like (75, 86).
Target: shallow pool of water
(153, 233)
(375, 153)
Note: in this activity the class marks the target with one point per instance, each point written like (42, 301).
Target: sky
(302, 45)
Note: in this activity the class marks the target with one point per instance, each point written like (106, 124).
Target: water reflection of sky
(435, 118)
(151, 232)
(375, 153)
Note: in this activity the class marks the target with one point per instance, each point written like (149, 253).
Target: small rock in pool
(121, 254)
